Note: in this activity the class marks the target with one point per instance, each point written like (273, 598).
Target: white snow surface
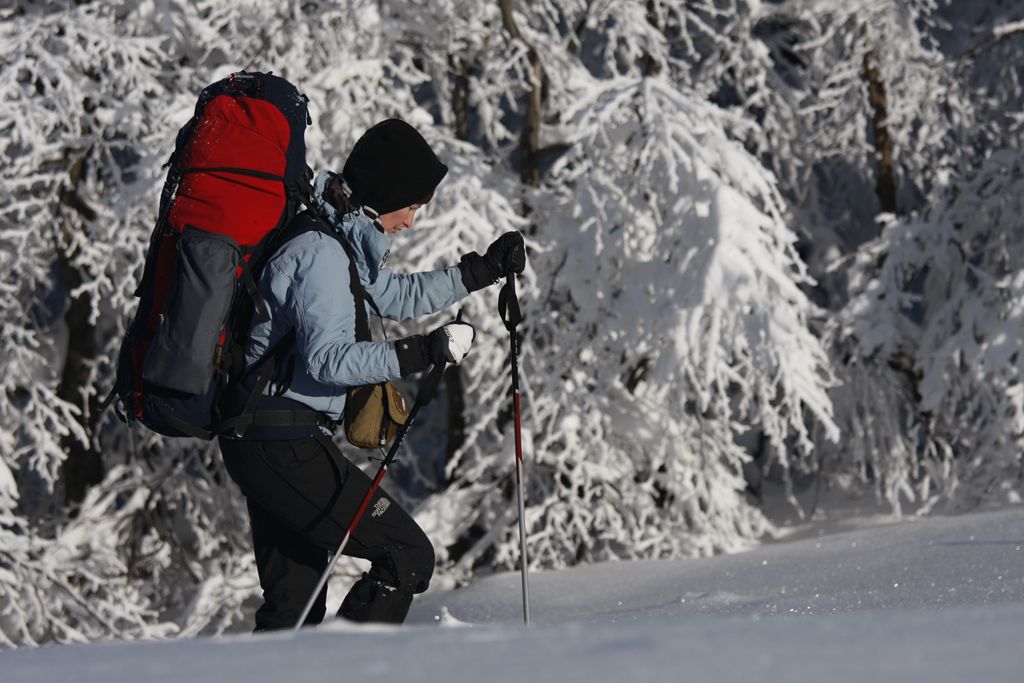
(932, 599)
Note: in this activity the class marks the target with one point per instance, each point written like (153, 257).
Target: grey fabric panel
(182, 354)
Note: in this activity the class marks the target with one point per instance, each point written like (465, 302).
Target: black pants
(302, 496)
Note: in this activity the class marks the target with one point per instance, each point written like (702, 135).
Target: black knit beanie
(392, 167)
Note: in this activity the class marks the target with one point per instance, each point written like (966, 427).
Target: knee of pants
(423, 568)
(413, 567)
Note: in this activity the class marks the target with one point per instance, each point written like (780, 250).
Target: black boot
(372, 600)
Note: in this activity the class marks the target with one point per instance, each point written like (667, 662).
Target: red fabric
(235, 132)
(166, 259)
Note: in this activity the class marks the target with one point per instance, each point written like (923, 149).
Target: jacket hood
(354, 225)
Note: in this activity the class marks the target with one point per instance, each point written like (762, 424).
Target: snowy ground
(937, 599)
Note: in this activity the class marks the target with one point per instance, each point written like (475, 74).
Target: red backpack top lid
(234, 168)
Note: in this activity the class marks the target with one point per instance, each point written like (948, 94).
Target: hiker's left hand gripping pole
(511, 315)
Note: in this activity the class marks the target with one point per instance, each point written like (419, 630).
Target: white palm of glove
(460, 338)
(453, 340)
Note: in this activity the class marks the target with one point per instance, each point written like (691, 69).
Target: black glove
(506, 254)
(447, 344)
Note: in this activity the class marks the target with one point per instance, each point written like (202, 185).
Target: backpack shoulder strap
(359, 292)
(307, 221)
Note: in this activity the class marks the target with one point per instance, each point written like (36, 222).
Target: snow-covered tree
(985, 41)
(71, 75)
(670, 321)
(930, 296)
(937, 316)
(94, 97)
(682, 170)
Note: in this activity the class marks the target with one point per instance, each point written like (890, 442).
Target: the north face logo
(380, 507)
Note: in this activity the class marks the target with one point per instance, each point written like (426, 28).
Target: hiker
(300, 489)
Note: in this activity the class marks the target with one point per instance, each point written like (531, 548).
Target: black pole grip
(508, 303)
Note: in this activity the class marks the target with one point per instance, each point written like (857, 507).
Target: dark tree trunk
(455, 391)
(460, 96)
(650, 65)
(529, 137)
(885, 184)
(84, 465)
(529, 141)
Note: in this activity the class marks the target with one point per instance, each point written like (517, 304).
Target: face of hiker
(396, 221)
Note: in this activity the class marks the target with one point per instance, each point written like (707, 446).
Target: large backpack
(236, 178)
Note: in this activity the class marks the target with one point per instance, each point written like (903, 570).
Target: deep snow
(935, 599)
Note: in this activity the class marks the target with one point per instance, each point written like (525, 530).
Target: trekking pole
(426, 393)
(511, 315)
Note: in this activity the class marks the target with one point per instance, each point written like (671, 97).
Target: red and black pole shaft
(426, 393)
(511, 315)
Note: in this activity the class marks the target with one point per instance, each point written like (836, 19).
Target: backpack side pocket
(183, 354)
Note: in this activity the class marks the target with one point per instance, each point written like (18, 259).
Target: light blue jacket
(306, 287)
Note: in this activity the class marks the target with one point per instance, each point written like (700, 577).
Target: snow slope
(937, 599)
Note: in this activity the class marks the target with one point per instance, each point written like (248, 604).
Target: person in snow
(300, 489)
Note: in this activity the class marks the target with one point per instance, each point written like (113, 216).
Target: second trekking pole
(511, 315)
(426, 393)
